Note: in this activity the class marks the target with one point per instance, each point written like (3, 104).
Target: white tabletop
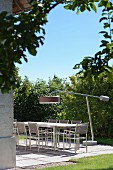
(48, 124)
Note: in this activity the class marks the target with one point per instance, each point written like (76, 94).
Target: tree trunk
(7, 140)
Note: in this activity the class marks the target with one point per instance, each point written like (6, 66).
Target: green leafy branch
(18, 34)
(94, 66)
(26, 32)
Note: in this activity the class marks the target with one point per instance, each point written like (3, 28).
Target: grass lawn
(102, 162)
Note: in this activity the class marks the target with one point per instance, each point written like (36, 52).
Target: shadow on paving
(43, 151)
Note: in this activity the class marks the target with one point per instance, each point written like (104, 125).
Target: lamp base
(90, 143)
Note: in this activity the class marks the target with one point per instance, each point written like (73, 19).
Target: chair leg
(86, 142)
(17, 141)
(63, 141)
(26, 143)
(69, 142)
(75, 147)
(58, 139)
(38, 144)
(77, 142)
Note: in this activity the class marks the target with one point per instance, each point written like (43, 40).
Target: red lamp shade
(49, 100)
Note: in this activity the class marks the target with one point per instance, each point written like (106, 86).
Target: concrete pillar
(7, 141)
(6, 5)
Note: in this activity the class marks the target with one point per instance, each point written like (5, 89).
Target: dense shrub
(26, 104)
(27, 107)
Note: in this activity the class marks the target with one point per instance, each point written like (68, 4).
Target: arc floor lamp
(56, 99)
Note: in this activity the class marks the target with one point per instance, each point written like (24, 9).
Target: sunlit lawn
(102, 162)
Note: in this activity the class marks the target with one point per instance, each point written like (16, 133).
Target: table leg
(77, 142)
(54, 138)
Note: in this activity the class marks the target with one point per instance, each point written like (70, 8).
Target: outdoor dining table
(54, 126)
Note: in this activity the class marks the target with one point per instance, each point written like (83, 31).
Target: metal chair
(60, 132)
(21, 131)
(81, 132)
(33, 134)
(36, 134)
(76, 121)
(52, 120)
(78, 134)
(15, 127)
(50, 130)
(63, 121)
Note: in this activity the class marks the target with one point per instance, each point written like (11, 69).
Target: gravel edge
(43, 166)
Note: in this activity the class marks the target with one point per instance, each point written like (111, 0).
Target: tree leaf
(93, 7)
(82, 8)
(103, 18)
(32, 50)
(77, 66)
(78, 11)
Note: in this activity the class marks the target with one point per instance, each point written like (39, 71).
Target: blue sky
(69, 38)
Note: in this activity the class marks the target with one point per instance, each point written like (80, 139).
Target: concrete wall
(7, 153)
(7, 141)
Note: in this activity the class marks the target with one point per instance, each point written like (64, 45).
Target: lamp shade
(104, 98)
(49, 99)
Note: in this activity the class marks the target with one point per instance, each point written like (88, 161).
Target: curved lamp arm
(103, 98)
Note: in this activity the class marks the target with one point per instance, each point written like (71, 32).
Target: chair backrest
(82, 128)
(33, 128)
(76, 121)
(21, 129)
(15, 120)
(63, 121)
(52, 120)
(14, 123)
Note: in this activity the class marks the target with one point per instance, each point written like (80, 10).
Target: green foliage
(81, 6)
(25, 32)
(105, 141)
(73, 107)
(101, 112)
(26, 105)
(21, 36)
(92, 67)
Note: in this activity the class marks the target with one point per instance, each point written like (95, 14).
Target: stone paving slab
(28, 162)
(32, 157)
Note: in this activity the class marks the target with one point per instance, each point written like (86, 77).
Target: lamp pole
(90, 119)
(49, 100)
